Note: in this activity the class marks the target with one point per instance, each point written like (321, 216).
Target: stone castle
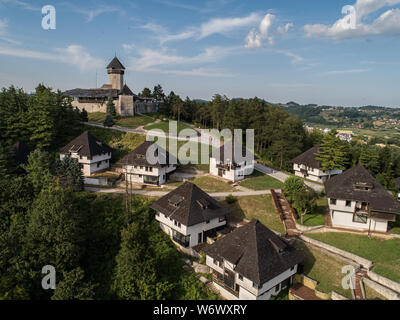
(126, 102)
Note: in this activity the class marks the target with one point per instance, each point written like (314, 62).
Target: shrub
(230, 199)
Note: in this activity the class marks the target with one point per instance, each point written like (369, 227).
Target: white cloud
(347, 71)
(281, 30)
(91, 14)
(23, 5)
(225, 25)
(254, 39)
(150, 58)
(387, 23)
(162, 61)
(3, 26)
(164, 36)
(74, 55)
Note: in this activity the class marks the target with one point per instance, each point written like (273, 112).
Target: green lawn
(324, 268)
(258, 207)
(121, 142)
(317, 217)
(395, 226)
(385, 254)
(164, 126)
(131, 122)
(260, 181)
(208, 184)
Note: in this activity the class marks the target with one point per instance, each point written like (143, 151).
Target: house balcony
(217, 279)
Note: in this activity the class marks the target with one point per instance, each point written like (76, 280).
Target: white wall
(247, 291)
(193, 231)
(342, 216)
(135, 171)
(91, 166)
(233, 175)
(314, 173)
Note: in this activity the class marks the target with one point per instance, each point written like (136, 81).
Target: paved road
(154, 193)
(278, 175)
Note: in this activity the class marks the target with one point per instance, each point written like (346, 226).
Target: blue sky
(297, 50)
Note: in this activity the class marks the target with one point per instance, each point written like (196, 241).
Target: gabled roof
(189, 205)
(21, 152)
(309, 158)
(231, 157)
(257, 252)
(92, 93)
(138, 156)
(86, 145)
(115, 64)
(126, 91)
(343, 187)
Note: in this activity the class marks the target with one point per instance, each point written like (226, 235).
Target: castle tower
(116, 72)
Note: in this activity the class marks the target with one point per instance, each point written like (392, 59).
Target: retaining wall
(395, 286)
(384, 291)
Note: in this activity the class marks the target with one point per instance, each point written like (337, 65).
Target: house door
(200, 238)
(220, 172)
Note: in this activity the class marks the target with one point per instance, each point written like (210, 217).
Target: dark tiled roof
(115, 64)
(86, 145)
(126, 91)
(342, 187)
(21, 152)
(309, 158)
(257, 253)
(231, 157)
(138, 156)
(189, 205)
(92, 93)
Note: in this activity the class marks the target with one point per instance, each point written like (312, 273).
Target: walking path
(281, 176)
(155, 193)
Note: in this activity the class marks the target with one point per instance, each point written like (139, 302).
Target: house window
(255, 285)
(333, 201)
(141, 167)
(359, 218)
(240, 277)
(207, 221)
(98, 164)
(140, 176)
(348, 203)
(151, 169)
(277, 287)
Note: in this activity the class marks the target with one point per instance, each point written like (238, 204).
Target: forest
(99, 250)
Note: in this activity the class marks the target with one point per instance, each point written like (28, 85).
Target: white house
(92, 154)
(138, 169)
(307, 166)
(252, 263)
(357, 201)
(227, 166)
(189, 215)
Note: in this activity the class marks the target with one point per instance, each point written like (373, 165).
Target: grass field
(131, 122)
(260, 181)
(324, 268)
(385, 254)
(122, 143)
(208, 184)
(317, 217)
(258, 207)
(164, 126)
